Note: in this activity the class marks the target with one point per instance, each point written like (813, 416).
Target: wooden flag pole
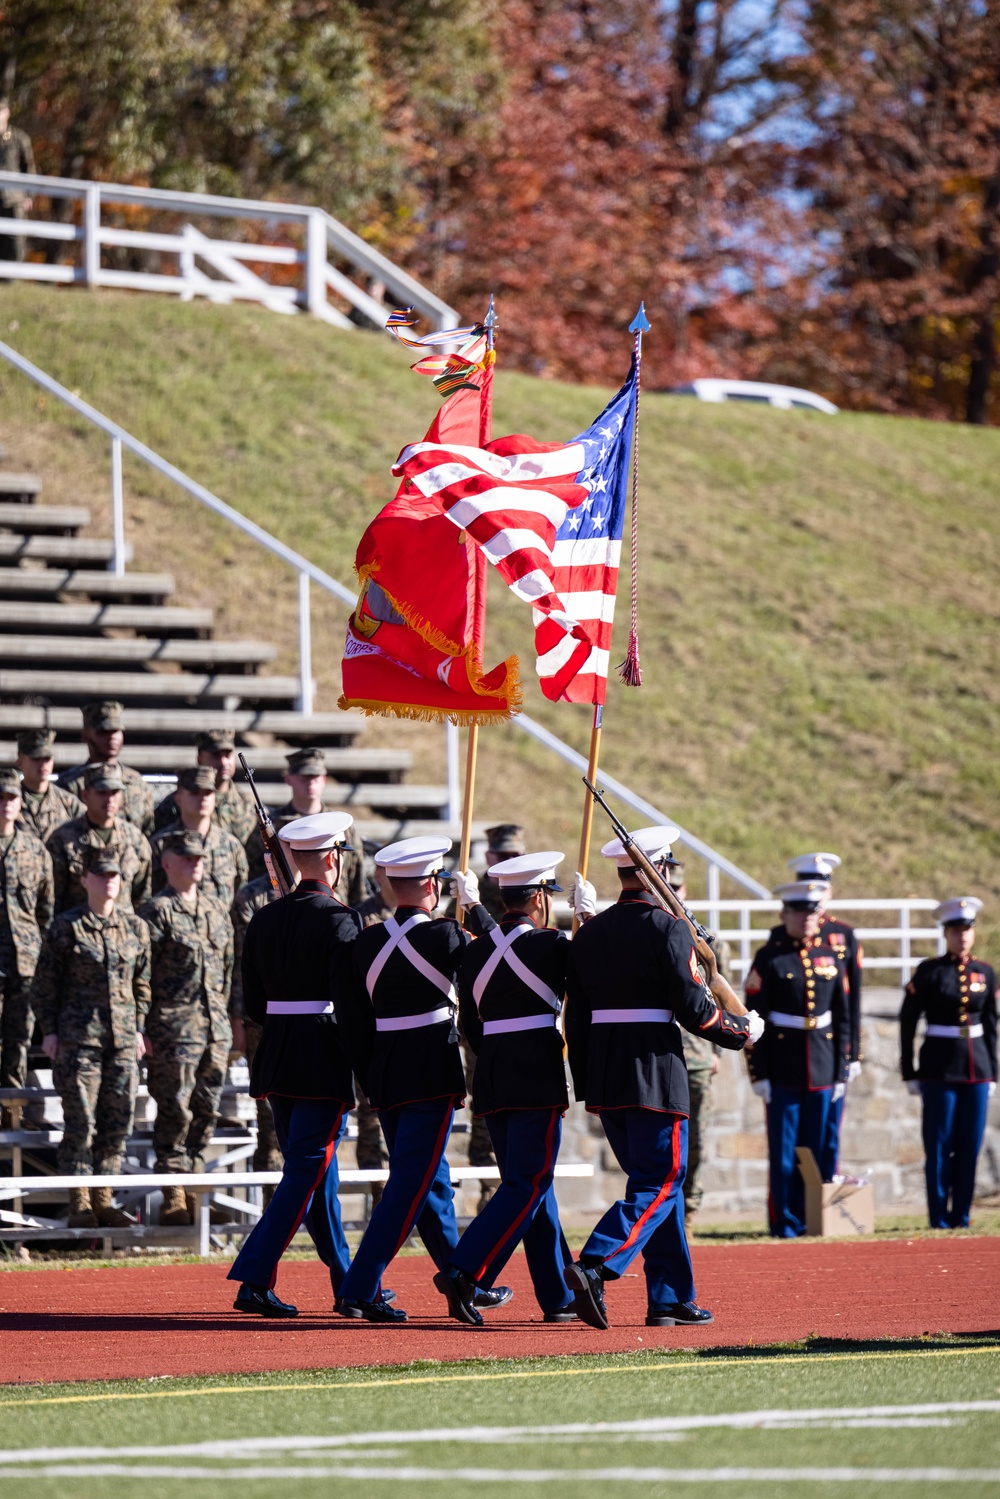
(588, 805)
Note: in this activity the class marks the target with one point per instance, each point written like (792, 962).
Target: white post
(452, 760)
(92, 235)
(305, 647)
(712, 913)
(117, 509)
(315, 268)
(745, 953)
(905, 966)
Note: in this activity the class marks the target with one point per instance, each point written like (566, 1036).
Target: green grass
(586, 1425)
(818, 612)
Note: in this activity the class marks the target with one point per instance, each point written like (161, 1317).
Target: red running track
(138, 1322)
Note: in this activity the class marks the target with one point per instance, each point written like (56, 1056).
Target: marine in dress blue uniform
(511, 984)
(798, 983)
(398, 1018)
(956, 993)
(632, 973)
(296, 959)
(844, 940)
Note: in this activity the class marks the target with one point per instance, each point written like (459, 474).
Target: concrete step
(95, 618)
(64, 519)
(163, 687)
(21, 488)
(156, 724)
(348, 766)
(47, 582)
(95, 654)
(69, 551)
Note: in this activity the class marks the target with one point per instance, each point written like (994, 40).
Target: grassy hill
(819, 601)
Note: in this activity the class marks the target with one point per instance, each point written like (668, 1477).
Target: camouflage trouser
(267, 1156)
(186, 1080)
(97, 1084)
(16, 1023)
(480, 1144)
(700, 1088)
(369, 1150)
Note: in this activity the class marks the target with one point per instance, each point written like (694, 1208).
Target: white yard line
(269, 1474)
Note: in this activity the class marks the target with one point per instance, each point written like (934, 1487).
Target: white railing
(317, 246)
(716, 864)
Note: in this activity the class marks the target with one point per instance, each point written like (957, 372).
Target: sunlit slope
(818, 596)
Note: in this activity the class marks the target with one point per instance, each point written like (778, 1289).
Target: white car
(783, 396)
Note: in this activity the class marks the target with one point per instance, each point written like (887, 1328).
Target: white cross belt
(956, 1032)
(300, 1007)
(412, 1022)
(635, 1017)
(800, 1022)
(521, 1023)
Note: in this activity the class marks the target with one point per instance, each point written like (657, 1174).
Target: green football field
(889, 1417)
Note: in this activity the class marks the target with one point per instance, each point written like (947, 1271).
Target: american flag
(549, 517)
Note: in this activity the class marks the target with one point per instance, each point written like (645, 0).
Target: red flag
(414, 644)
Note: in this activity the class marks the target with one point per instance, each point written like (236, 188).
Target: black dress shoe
(369, 1311)
(488, 1301)
(564, 1314)
(262, 1302)
(678, 1314)
(588, 1295)
(460, 1293)
(388, 1296)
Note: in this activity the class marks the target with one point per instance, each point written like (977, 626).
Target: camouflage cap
(102, 776)
(505, 838)
(101, 859)
(106, 714)
(10, 781)
(183, 842)
(307, 762)
(215, 740)
(196, 778)
(36, 743)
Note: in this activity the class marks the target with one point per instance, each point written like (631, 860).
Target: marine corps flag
(414, 644)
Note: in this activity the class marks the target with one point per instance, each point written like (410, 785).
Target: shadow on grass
(952, 1342)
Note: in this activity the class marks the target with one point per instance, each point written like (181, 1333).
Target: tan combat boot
(81, 1214)
(174, 1211)
(216, 1214)
(107, 1215)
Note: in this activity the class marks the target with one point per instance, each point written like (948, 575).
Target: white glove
(756, 1026)
(839, 1090)
(992, 1089)
(913, 1086)
(466, 888)
(763, 1089)
(582, 898)
(853, 1071)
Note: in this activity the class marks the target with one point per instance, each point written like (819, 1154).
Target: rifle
(722, 992)
(275, 858)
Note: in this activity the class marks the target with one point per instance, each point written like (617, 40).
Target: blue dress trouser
(954, 1122)
(309, 1131)
(651, 1148)
(522, 1209)
(795, 1116)
(828, 1159)
(416, 1134)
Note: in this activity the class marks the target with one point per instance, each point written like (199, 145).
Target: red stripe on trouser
(661, 1196)
(327, 1158)
(536, 1192)
(425, 1185)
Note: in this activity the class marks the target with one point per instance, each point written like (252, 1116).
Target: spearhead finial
(640, 323)
(491, 323)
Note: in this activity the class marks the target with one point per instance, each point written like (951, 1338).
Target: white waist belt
(522, 1023)
(620, 1017)
(800, 1022)
(956, 1032)
(300, 1007)
(413, 1022)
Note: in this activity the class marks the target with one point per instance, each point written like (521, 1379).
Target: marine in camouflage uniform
(306, 776)
(16, 155)
(102, 791)
(234, 805)
(251, 898)
(188, 1029)
(225, 857)
(104, 735)
(25, 913)
(91, 995)
(45, 806)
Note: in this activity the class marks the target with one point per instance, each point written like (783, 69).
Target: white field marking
(533, 1475)
(250, 1447)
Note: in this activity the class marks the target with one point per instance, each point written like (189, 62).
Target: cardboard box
(835, 1210)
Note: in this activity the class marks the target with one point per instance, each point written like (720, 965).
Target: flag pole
(472, 749)
(637, 327)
